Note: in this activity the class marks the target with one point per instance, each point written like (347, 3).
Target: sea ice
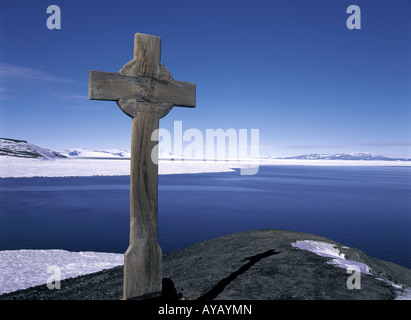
(12, 167)
(20, 269)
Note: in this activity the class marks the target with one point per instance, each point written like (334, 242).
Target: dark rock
(253, 265)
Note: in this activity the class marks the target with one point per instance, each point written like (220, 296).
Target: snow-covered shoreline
(12, 167)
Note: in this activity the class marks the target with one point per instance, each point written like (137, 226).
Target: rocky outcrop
(24, 149)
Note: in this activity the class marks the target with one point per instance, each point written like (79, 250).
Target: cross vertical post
(145, 90)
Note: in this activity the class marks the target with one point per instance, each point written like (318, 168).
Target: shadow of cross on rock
(169, 292)
(220, 286)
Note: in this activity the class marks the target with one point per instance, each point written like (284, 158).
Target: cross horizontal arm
(114, 86)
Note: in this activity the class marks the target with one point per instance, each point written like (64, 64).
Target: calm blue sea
(365, 207)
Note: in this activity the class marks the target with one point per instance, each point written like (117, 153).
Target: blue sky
(291, 69)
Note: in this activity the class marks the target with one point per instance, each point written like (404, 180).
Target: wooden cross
(145, 90)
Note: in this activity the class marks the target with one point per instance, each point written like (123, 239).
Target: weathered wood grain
(146, 91)
(113, 86)
(147, 53)
(142, 260)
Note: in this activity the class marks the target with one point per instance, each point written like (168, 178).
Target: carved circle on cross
(131, 106)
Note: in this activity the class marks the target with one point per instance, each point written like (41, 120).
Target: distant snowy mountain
(95, 154)
(340, 156)
(345, 156)
(23, 149)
